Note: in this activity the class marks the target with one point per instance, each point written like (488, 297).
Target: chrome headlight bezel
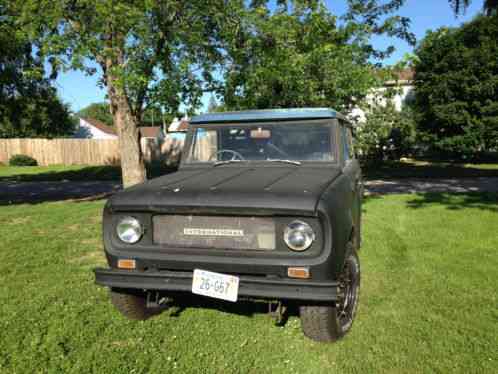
(129, 230)
(299, 232)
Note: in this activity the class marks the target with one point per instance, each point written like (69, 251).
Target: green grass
(428, 300)
(410, 168)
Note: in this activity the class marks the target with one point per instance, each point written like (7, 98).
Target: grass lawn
(428, 300)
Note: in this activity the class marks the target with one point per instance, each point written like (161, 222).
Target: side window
(349, 137)
(347, 146)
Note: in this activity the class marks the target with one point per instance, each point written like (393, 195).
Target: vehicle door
(351, 169)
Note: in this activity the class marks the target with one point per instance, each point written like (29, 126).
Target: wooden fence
(85, 151)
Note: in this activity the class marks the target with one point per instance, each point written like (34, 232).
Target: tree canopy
(29, 105)
(99, 111)
(303, 55)
(457, 87)
(163, 53)
(149, 52)
(460, 6)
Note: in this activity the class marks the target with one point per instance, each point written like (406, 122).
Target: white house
(405, 90)
(90, 128)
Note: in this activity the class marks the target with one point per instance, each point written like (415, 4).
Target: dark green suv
(266, 204)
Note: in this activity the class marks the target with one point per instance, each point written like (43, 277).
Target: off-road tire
(131, 306)
(328, 323)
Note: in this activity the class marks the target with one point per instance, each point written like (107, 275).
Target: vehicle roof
(267, 115)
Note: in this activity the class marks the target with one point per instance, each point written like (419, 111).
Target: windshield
(291, 143)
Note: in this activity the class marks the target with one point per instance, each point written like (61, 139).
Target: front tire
(131, 306)
(328, 323)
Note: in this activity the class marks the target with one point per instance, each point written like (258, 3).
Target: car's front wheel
(327, 323)
(131, 305)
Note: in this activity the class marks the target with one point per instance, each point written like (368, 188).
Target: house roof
(99, 125)
(402, 77)
(405, 75)
(267, 115)
(149, 131)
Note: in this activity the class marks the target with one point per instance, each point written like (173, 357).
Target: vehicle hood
(223, 189)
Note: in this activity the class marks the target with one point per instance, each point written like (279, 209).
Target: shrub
(386, 133)
(22, 160)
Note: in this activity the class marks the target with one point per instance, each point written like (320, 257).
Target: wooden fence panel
(62, 151)
(86, 151)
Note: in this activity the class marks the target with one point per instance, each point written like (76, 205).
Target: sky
(80, 90)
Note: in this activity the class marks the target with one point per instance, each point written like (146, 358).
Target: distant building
(179, 125)
(151, 139)
(154, 132)
(403, 84)
(90, 128)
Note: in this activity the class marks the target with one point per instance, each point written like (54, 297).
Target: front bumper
(250, 286)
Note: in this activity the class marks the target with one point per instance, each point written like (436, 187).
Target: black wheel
(327, 323)
(132, 306)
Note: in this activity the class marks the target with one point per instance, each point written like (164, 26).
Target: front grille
(222, 232)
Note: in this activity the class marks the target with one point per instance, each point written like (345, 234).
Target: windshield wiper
(294, 162)
(218, 163)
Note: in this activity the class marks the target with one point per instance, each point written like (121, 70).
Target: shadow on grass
(85, 173)
(456, 201)
(398, 169)
(243, 307)
(369, 197)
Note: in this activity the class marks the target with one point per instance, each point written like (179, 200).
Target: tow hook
(155, 300)
(277, 311)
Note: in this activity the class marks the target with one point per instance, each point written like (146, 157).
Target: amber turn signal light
(127, 264)
(302, 273)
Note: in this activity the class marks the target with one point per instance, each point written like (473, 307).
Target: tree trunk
(132, 163)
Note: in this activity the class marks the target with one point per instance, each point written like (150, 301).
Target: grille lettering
(193, 231)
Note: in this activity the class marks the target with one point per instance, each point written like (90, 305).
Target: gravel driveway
(412, 185)
(31, 192)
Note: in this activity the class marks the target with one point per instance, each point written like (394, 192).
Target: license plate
(219, 286)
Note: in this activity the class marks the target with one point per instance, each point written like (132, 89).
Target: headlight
(298, 235)
(129, 230)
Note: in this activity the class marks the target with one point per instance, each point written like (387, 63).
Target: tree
(149, 51)
(457, 87)
(386, 133)
(100, 111)
(302, 55)
(460, 6)
(214, 106)
(29, 106)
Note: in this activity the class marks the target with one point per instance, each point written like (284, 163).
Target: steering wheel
(235, 155)
(275, 148)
